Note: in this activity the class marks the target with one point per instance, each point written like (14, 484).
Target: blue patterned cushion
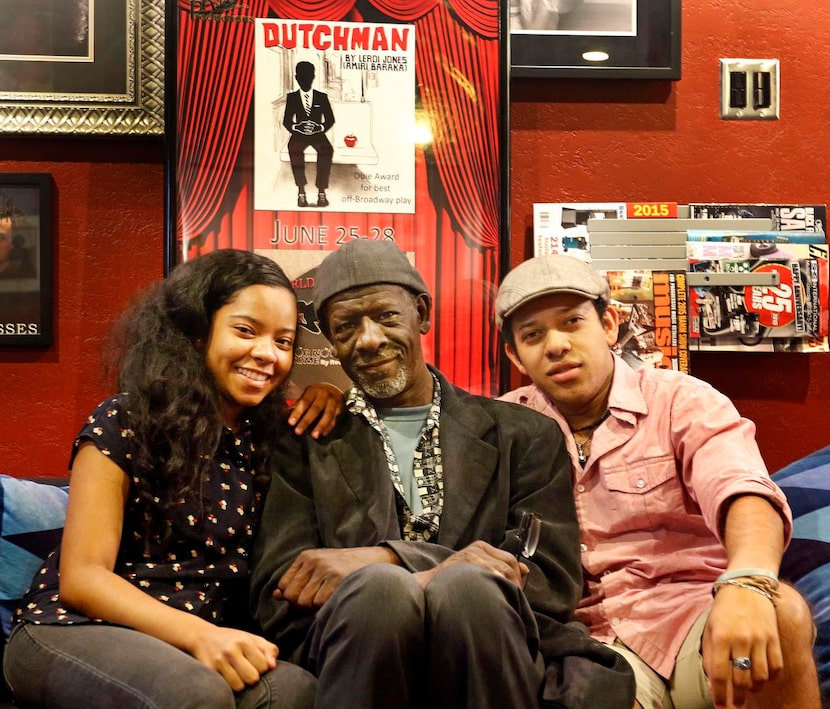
(806, 563)
(31, 522)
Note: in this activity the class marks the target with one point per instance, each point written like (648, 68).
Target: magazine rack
(738, 286)
(660, 245)
(732, 279)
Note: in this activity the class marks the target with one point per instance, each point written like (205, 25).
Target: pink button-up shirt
(649, 501)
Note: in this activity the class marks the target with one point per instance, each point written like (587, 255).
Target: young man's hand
(742, 624)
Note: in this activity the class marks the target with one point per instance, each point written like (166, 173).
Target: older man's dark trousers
(383, 641)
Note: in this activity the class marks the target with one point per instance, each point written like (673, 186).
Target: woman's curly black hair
(174, 402)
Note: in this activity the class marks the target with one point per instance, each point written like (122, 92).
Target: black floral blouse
(204, 560)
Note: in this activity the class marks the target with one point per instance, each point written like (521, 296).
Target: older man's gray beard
(386, 388)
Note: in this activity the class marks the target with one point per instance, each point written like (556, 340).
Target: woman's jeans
(103, 666)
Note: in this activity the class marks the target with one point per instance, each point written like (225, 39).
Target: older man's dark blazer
(498, 461)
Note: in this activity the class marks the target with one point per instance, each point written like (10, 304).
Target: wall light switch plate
(749, 89)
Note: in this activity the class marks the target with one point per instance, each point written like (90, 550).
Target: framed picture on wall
(595, 39)
(82, 67)
(25, 259)
(402, 140)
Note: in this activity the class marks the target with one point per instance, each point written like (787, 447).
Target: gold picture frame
(82, 67)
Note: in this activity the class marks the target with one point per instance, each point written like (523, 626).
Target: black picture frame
(26, 307)
(651, 51)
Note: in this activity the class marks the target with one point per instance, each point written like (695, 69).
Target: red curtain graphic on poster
(454, 231)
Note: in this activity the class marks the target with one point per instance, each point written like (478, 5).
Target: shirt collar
(357, 402)
(625, 396)
(625, 400)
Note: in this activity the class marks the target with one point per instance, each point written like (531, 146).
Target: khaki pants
(687, 688)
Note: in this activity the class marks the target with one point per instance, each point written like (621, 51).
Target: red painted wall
(574, 140)
(107, 243)
(609, 140)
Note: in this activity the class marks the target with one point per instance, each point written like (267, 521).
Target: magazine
(756, 237)
(797, 307)
(653, 317)
(561, 227)
(785, 217)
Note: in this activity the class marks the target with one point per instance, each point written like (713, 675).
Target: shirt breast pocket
(647, 493)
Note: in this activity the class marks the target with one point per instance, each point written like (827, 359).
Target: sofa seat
(33, 512)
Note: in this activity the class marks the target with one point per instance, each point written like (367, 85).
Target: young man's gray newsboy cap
(542, 275)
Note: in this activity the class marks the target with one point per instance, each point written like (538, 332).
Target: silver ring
(741, 663)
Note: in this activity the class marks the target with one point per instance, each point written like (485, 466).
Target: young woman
(139, 607)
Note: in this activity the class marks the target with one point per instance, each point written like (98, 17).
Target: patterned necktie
(307, 103)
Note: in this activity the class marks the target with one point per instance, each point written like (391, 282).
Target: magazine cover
(561, 228)
(756, 237)
(796, 307)
(785, 217)
(653, 317)
(322, 107)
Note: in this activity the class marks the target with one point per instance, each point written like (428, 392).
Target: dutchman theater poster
(302, 125)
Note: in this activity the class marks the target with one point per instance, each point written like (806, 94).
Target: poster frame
(32, 292)
(175, 249)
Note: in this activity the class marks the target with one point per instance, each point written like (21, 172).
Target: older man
(387, 564)
(675, 506)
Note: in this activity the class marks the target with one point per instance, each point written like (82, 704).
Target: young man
(674, 503)
(387, 564)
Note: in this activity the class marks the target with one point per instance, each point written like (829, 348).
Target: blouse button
(580, 488)
(615, 622)
(641, 484)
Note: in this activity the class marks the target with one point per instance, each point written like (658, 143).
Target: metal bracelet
(740, 584)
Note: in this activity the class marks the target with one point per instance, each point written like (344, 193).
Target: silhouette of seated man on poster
(308, 117)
